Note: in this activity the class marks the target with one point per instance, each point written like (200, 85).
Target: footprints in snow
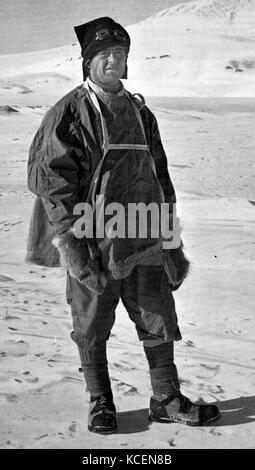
(6, 226)
(121, 367)
(14, 348)
(189, 343)
(6, 278)
(125, 388)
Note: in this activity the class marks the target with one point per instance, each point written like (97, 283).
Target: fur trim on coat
(81, 261)
(176, 266)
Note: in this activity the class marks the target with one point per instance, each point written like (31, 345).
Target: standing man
(101, 146)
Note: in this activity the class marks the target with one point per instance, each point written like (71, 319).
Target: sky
(28, 25)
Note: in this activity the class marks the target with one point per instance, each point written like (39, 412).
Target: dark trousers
(148, 300)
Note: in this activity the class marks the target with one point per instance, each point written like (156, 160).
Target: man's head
(104, 47)
(108, 66)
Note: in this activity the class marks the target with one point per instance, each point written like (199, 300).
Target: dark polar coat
(62, 161)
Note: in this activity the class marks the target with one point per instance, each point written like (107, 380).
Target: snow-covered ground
(206, 117)
(203, 48)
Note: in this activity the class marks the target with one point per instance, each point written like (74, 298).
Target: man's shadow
(233, 412)
(236, 411)
(133, 421)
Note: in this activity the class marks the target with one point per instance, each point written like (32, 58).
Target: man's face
(107, 66)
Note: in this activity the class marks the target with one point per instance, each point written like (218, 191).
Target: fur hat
(99, 34)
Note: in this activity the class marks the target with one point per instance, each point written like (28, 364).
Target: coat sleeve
(54, 169)
(160, 159)
(175, 262)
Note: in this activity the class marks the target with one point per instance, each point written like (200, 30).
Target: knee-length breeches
(147, 298)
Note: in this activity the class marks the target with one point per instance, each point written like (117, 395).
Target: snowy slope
(199, 48)
(195, 49)
(227, 10)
